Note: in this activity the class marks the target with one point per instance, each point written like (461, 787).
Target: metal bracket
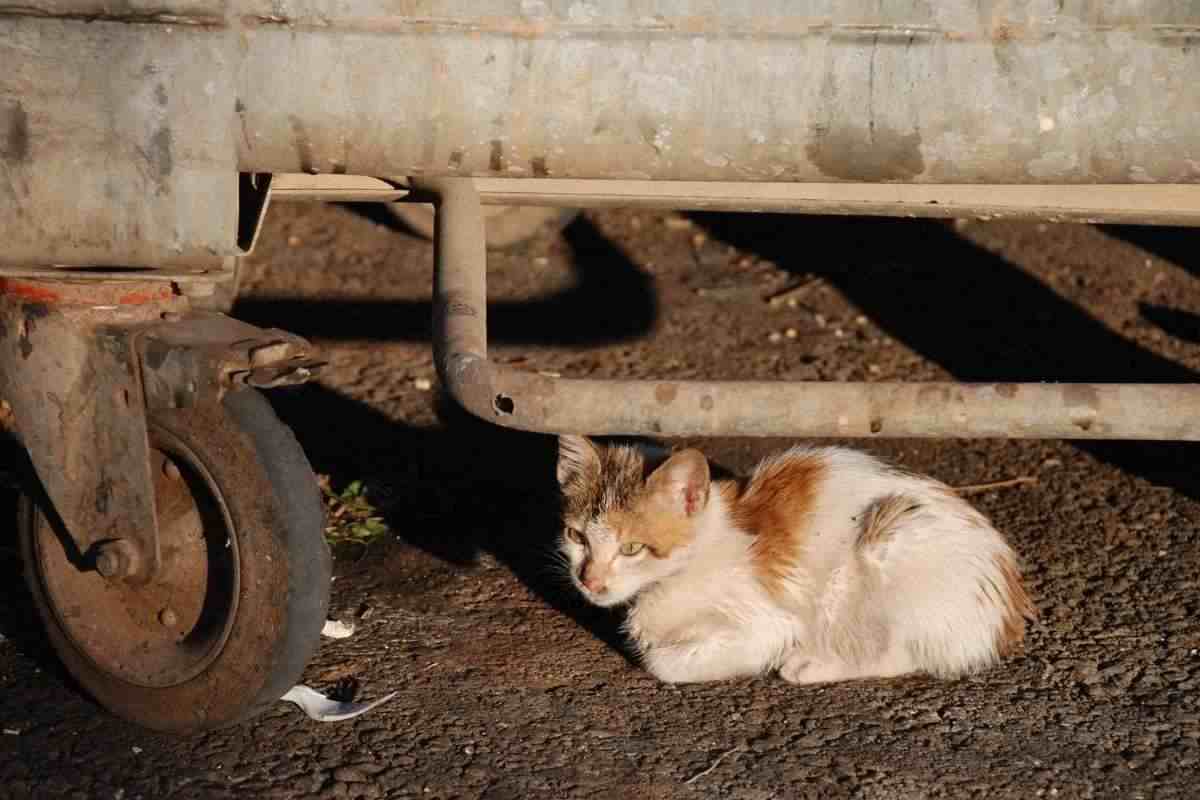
(69, 376)
(199, 357)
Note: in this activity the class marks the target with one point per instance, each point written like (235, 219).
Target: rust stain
(1081, 394)
(456, 158)
(933, 395)
(159, 154)
(538, 165)
(706, 403)
(144, 297)
(8, 420)
(1006, 390)
(665, 393)
(876, 425)
(873, 153)
(14, 134)
(303, 145)
(496, 160)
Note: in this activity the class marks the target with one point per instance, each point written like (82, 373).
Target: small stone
(860, 320)
(635, 223)
(819, 319)
(294, 241)
(422, 384)
(677, 223)
(698, 240)
(540, 261)
(791, 333)
(874, 369)
(775, 336)
(839, 333)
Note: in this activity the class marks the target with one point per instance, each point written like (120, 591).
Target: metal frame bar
(533, 402)
(1158, 204)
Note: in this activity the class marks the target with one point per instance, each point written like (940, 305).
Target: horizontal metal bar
(534, 402)
(1174, 204)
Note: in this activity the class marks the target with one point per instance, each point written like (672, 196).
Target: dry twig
(716, 763)
(979, 488)
(792, 290)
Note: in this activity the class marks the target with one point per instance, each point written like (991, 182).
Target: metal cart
(172, 528)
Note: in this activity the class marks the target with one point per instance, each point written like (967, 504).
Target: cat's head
(628, 520)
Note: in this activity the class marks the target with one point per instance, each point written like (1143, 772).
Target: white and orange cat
(826, 565)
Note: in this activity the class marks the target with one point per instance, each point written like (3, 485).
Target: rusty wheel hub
(167, 631)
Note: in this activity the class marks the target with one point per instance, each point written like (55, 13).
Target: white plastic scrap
(320, 708)
(336, 629)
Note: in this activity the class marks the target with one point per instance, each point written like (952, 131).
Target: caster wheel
(504, 226)
(236, 609)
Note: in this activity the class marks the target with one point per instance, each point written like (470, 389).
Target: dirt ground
(510, 688)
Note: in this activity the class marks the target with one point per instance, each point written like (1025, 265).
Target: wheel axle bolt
(168, 618)
(171, 470)
(117, 559)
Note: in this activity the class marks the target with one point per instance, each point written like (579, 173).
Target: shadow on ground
(456, 492)
(580, 316)
(976, 315)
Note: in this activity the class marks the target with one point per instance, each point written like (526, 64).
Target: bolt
(171, 470)
(168, 618)
(118, 558)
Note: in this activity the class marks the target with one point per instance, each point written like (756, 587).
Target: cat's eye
(575, 536)
(631, 548)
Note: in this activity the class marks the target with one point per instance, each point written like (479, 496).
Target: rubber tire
(504, 226)
(272, 497)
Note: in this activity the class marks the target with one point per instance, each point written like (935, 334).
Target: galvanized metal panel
(116, 144)
(961, 91)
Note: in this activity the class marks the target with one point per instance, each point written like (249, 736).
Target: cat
(825, 565)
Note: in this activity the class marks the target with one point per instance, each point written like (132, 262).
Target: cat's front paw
(802, 668)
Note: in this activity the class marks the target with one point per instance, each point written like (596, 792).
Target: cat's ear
(578, 459)
(682, 482)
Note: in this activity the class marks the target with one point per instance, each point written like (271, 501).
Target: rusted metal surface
(535, 402)
(164, 632)
(70, 374)
(196, 358)
(1109, 203)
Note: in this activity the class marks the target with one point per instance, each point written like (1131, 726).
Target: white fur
(929, 597)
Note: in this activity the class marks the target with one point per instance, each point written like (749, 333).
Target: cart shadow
(456, 491)
(579, 316)
(1177, 245)
(976, 315)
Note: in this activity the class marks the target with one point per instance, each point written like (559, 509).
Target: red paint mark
(142, 298)
(28, 291)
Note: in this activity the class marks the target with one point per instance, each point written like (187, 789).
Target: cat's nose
(594, 584)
